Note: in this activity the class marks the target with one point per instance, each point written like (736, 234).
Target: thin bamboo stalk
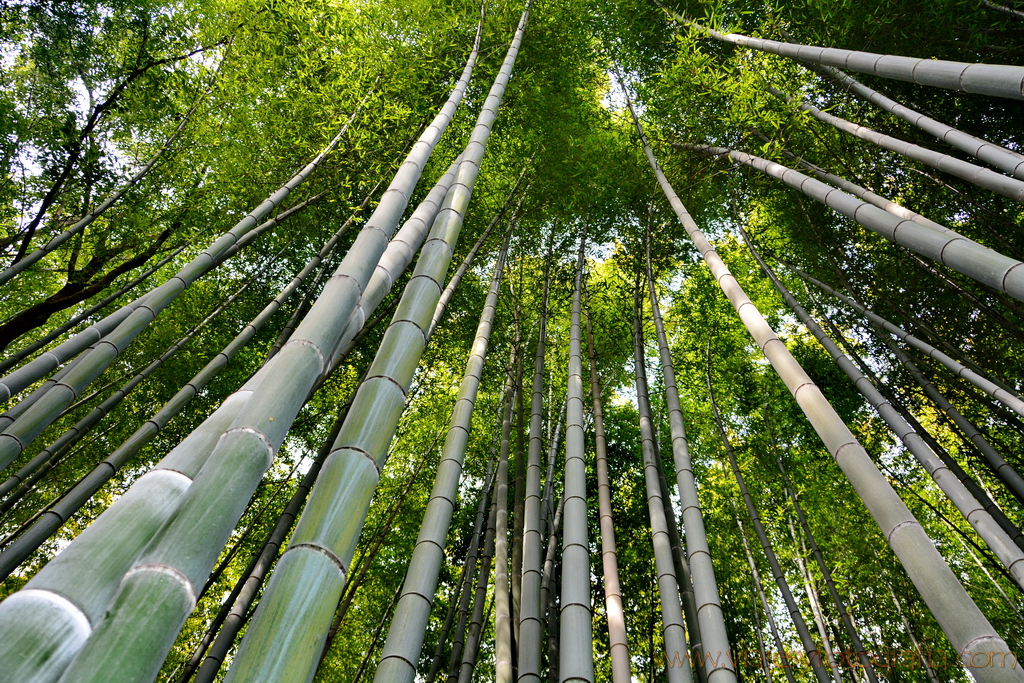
(997, 80)
(1009, 11)
(677, 653)
(967, 628)
(502, 599)
(549, 597)
(323, 542)
(816, 611)
(909, 630)
(1008, 398)
(408, 628)
(575, 649)
(952, 249)
(950, 484)
(978, 175)
(460, 669)
(711, 620)
(618, 643)
(530, 625)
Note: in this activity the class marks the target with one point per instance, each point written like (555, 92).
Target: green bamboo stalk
(1008, 398)
(961, 620)
(408, 628)
(710, 619)
(978, 175)
(576, 654)
(997, 80)
(998, 540)
(959, 253)
(530, 626)
(460, 669)
(323, 542)
(21, 264)
(676, 648)
(1004, 159)
(618, 643)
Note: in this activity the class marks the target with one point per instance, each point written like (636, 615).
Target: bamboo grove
(559, 340)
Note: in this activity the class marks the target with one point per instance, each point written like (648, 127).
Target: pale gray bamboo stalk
(322, 544)
(71, 502)
(530, 626)
(756, 580)
(77, 431)
(469, 571)
(959, 253)
(576, 654)
(932, 678)
(409, 625)
(816, 612)
(997, 391)
(460, 670)
(1006, 473)
(453, 283)
(1016, 14)
(19, 266)
(961, 620)
(811, 649)
(1004, 159)
(518, 501)
(711, 620)
(502, 596)
(676, 648)
(951, 485)
(16, 357)
(548, 497)
(618, 642)
(997, 80)
(978, 175)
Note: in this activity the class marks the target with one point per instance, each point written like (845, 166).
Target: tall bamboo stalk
(961, 620)
(711, 620)
(549, 598)
(997, 80)
(618, 643)
(816, 611)
(409, 625)
(952, 249)
(909, 629)
(978, 175)
(575, 649)
(677, 653)
(503, 672)
(530, 625)
(460, 669)
(323, 542)
(951, 485)
(997, 391)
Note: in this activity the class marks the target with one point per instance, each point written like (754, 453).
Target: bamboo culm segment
(1004, 159)
(997, 80)
(576, 654)
(324, 539)
(1000, 543)
(980, 176)
(715, 645)
(231, 469)
(81, 492)
(674, 631)
(964, 624)
(959, 253)
(460, 670)
(408, 628)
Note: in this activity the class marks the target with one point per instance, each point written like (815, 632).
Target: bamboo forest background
(230, 98)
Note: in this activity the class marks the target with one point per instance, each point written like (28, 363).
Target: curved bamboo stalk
(323, 542)
(1004, 159)
(81, 492)
(460, 669)
(978, 175)
(961, 620)
(677, 653)
(949, 248)
(711, 620)
(1007, 398)
(576, 656)
(813, 654)
(618, 643)
(408, 627)
(20, 264)
(1000, 543)
(997, 80)
(530, 626)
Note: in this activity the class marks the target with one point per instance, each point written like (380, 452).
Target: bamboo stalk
(460, 670)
